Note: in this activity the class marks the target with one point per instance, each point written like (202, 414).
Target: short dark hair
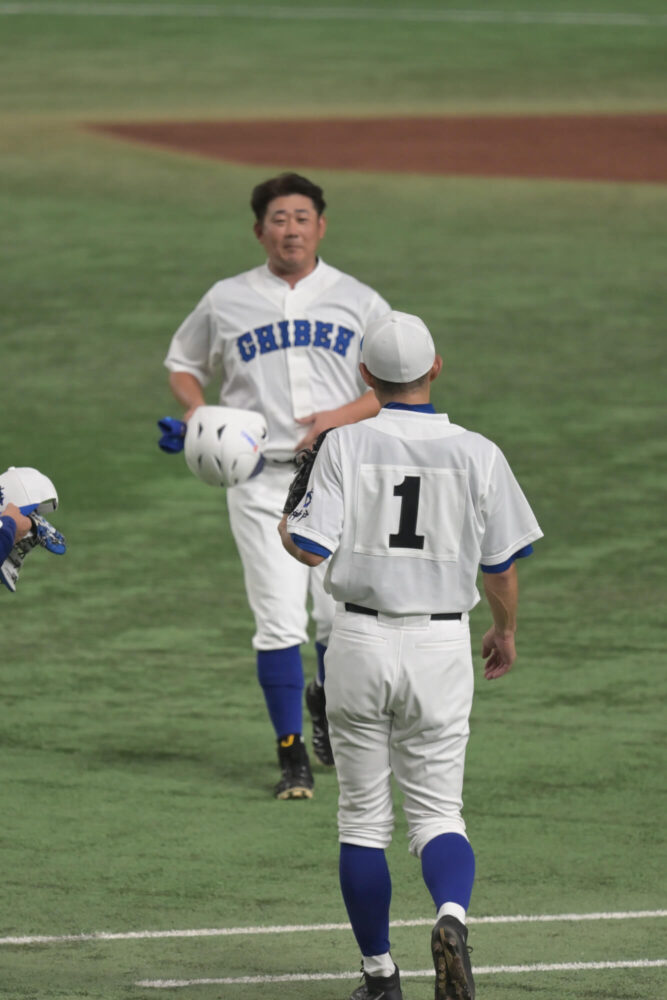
(400, 388)
(278, 187)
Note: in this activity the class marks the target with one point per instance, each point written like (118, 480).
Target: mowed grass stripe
(483, 970)
(554, 17)
(312, 928)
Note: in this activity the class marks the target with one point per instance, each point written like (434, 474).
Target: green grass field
(137, 758)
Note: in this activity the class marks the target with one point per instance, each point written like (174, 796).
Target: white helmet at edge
(224, 446)
(29, 489)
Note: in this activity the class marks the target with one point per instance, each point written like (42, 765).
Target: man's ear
(436, 369)
(366, 375)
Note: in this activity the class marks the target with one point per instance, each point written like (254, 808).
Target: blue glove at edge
(173, 434)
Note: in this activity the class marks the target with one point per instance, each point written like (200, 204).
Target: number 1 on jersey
(407, 537)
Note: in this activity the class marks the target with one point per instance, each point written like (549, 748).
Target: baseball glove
(42, 533)
(305, 459)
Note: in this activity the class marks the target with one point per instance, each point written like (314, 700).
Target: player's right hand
(499, 651)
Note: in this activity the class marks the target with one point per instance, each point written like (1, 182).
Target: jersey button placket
(297, 361)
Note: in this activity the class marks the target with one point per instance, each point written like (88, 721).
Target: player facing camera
(282, 339)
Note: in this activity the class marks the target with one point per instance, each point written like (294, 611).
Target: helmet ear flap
(224, 446)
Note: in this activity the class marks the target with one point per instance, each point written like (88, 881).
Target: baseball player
(285, 338)
(25, 495)
(405, 507)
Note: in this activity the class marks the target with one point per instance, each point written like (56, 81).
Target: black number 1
(407, 537)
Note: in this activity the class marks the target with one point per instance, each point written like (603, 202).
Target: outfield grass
(137, 758)
(166, 66)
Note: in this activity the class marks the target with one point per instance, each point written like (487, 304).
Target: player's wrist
(504, 632)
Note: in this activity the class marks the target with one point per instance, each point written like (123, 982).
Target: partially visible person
(26, 494)
(405, 508)
(285, 338)
(13, 527)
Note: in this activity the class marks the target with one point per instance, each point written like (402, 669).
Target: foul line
(483, 970)
(622, 20)
(311, 928)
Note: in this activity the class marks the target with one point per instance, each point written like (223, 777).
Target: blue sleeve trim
(527, 550)
(308, 546)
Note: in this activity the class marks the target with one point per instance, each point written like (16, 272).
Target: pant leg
(431, 705)
(276, 584)
(358, 687)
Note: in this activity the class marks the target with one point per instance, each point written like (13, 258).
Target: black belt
(440, 616)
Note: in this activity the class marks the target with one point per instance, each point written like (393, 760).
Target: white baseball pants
(277, 586)
(399, 692)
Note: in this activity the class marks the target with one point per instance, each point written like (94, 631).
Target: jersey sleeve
(7, 536)
(193, 347)
(319, 516)
(376, 307)
(510, 525)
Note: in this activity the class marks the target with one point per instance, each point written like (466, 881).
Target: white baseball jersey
(286, 352)
(410, 505)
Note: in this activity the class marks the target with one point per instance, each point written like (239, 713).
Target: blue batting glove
(173, 434)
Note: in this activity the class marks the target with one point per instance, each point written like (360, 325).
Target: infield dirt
(582, 147)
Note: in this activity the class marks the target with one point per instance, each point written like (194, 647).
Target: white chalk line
(622, 19)
(482, 970)
(35, 939)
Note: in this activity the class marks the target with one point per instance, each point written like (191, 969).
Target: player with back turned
(404, 509)
(285, 338)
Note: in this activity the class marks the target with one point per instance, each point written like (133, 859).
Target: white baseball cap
(398, 348)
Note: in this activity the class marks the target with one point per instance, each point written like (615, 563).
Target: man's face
(290, 234)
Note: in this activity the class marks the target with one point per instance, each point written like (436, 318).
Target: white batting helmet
(29, 489)
(224, 446)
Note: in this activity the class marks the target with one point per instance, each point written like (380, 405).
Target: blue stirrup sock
(320, 650)
(280, 674)
(448, 867)
(366, 886)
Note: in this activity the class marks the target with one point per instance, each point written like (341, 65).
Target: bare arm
(187, 390)
(362, 408)
(498, 648)
(23, 524)
(308, 558)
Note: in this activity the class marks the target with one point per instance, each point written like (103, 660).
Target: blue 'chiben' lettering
(247, 349)
(322, 334)
(283, 326)
(294, 333)
(343, 340)
(266, 339)
(301, 332)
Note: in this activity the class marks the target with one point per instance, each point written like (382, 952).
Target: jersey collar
(311, 276)
(415, 407)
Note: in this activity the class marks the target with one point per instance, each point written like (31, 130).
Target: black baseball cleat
(453, 974)
(296, 781)
(379, 987)
(316, 704)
